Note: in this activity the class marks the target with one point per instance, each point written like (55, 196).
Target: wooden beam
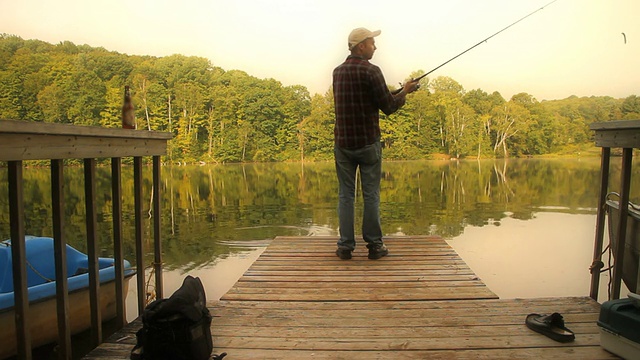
(92, 249)
(621, 230)
(597, 263)
(32, 147)
(620, 133)
(137, 190)
(19, 261)
(118, 252)
(157, 241)
(42, 128)
(26, 140)
(60, 255)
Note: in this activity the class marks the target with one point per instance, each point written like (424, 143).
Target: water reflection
(222, 214)
(553, 244)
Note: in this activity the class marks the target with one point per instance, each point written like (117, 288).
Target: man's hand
(411, 86)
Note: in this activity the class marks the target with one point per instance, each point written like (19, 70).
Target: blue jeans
(369, 160)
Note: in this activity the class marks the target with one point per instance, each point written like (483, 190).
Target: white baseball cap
(359, 35)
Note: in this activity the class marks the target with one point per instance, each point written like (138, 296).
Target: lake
(525, 226)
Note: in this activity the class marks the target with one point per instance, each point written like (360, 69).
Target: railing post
(137, 186)
(92, 249)
(19, 261)
(597, 264)
(625, 185)
(157, 241)
(616, 134)
(60, 255)
(118, 253)
(26, 140)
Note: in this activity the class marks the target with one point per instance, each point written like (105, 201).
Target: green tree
(316, 129)
(451, 115)
(296, 106)
(506, 121)
(631, 108)
(482, 103)
(420, 139)
(231, 116)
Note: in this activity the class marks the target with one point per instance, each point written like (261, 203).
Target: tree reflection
(209, 212)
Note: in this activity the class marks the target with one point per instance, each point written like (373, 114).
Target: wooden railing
(623, 134)
(20, 141)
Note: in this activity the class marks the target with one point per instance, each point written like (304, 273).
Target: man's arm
(390, 102)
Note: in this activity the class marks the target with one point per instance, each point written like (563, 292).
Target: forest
(220, 116)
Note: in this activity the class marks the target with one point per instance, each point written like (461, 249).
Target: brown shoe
(377, 252)
(344, 254)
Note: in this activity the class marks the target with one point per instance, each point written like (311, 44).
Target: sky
(570, 47)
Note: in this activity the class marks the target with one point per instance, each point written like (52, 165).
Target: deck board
(299, 301)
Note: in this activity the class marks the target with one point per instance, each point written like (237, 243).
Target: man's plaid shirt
(360, 92)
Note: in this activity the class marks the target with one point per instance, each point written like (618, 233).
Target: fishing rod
(483, 41)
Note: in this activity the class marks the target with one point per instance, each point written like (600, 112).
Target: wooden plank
(359, 262)
(406, 240)
(36, 127)
(301, 247)
(397, 253)
(315, 278)
(33, 147)
(377, 272)
(400, 344)
(359, 259)
(404, 332)
(565, 353)
(615, 125)
(523, 306)
(627, 139)
(295, 248)
(286, 319)
(401, 248)
(355, 284)
(620, 133)
(436, 308)
(359, 294)
(353, 266)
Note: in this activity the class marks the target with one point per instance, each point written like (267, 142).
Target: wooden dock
(300, 301)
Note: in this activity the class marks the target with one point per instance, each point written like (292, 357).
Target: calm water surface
(525, 226)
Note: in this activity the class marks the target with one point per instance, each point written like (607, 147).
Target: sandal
(551, 326)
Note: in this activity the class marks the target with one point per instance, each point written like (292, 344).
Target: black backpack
(177, 328)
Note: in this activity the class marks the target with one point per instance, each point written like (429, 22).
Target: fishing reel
(402, 85)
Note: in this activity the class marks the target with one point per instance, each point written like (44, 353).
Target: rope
(38, 273)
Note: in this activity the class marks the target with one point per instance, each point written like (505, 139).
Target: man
(360, 92)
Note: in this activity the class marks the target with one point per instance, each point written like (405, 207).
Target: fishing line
(483, 41)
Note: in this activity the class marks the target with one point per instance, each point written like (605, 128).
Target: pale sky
(571, 47)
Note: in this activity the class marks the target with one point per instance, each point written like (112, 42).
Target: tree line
(230, 116)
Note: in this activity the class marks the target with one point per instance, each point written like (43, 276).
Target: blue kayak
(41, 270)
